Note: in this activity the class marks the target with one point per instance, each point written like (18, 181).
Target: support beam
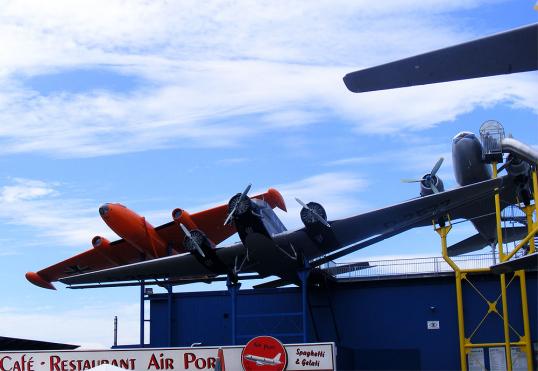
(303, 276)
(233, 289)
(170, 313)
(502, 258)
(142, 315)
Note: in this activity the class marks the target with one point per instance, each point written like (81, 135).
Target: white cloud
(37, 204)
(25, 189)
(219, 72)
(335, 191)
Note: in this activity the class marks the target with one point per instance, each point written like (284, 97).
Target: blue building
(403, 321)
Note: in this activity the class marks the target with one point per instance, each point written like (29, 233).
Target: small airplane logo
(262, 361)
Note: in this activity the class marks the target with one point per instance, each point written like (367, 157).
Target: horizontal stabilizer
(473, 243)
(272, 284)
(477, 242)
(529, 261)
(347, 268)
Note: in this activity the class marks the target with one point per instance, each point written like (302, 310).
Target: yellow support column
(443, 232)
(503, 276)
(521, 274)
(525, 314)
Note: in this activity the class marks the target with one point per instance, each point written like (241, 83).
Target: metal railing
(408, 266)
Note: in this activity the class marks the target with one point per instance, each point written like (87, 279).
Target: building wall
(380, 324)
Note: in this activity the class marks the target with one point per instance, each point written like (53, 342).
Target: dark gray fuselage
(467, 160)
(468, 169)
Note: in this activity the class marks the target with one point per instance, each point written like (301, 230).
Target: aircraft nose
(104, 209)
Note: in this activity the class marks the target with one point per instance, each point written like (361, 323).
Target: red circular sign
(264, 353)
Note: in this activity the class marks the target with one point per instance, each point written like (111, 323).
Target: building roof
(7, 343)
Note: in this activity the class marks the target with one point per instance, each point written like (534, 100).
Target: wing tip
(38, 280)
(350, 84)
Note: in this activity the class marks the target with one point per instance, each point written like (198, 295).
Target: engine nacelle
(101, 244)
(520, 171)
(426, 184)
(518, 167)
(183, 217)
(307, 216)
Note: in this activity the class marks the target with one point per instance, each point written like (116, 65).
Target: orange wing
(121, 252)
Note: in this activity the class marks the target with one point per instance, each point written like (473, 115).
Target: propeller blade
(434, 188)
(411, 180)
(229, 216)
(199, 249)
(316, 215)
(301, 203)
(185, 230)
(245, 191)
(437, 166)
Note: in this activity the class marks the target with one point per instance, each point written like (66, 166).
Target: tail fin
(277, 357)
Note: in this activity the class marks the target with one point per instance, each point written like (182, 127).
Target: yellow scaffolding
(524, 342)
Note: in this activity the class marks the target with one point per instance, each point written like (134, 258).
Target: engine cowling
(101, 243)
(197, 237)
(426, 184)
(183, 217)
(307, 216)
(240, 204)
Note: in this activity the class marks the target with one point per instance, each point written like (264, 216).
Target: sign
(519, 359)
(264, 353)
(301, 357)
(497, 359)
(476, 360)
(433, 325)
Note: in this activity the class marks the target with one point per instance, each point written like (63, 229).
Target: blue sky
(163, 105)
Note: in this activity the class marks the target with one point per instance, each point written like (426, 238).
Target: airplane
(512, 51)
(263, 361)
(141, 241)
(267, 248)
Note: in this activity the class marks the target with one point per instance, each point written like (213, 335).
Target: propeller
(243, 195)
(428, 179)
(189, 235)
(316, 215)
